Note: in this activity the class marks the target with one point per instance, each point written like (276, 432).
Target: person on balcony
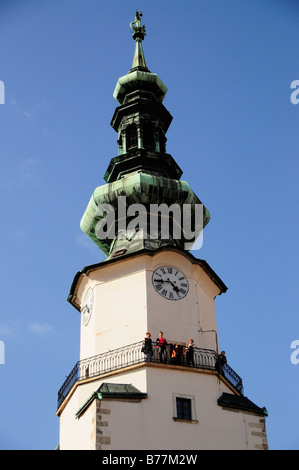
(189, 352)
(147, 347)
(161, 344)
(176, 355)
(220, 362)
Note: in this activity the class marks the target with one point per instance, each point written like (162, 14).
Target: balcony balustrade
(130, 355)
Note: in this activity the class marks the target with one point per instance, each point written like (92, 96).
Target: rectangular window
(183, 408)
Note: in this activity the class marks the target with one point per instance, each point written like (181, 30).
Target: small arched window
(131, 136)
(120, 145)
(162, 142)
(148, 136)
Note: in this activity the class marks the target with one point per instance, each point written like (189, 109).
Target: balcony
(118, 359)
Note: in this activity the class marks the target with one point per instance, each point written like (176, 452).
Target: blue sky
(228, 67)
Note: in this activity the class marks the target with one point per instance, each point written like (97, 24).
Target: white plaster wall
(80, 433)
(150, 425)
(182, 319)
(119, 313)
(77, 434)
(126, 305)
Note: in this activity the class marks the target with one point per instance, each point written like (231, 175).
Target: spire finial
(139, 31)
(138, 36)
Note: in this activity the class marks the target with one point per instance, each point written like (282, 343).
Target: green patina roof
(138, 188)
(237, 402)
(139, 79)
(116, 391)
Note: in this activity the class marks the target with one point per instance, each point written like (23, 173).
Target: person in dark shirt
(189, 352)
(220, 362)
(176, 354)
(147, 347)
(161, 344)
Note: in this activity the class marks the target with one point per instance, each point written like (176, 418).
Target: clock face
(171, 283)
(87, 307)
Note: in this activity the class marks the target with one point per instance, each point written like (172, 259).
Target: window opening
(183, 407)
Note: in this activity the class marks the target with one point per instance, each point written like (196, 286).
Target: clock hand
(175, 288)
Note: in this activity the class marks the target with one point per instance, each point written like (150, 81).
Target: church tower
(175, 395)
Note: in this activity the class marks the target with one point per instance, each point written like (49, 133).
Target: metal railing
(130, 355)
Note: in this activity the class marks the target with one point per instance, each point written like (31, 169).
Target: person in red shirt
(162, 343)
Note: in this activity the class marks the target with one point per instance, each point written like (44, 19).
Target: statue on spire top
(139, 31)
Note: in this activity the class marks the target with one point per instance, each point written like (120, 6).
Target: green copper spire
(138, 36)
(143, 177)
(139, 76)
